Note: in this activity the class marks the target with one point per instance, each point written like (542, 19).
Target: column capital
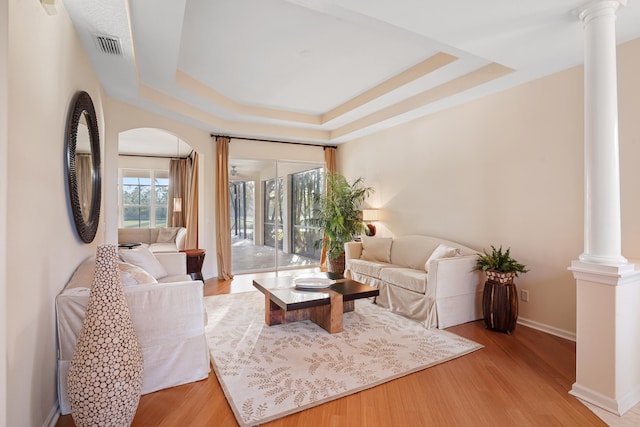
(598, 8)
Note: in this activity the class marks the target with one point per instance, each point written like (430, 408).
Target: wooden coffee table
(285, 303)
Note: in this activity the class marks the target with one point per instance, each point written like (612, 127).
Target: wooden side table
(195, 259)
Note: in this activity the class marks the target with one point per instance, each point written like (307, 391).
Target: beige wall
(47, 65)
(506, 170)
(4, 142)
(263, 150)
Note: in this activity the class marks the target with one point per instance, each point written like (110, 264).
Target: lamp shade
(177, 204)
(371, 214)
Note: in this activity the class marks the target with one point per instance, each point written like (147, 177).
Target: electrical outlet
(524, 295)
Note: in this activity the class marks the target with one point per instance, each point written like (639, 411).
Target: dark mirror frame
(82, 104)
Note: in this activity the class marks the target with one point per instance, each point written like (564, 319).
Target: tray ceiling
(323, 71)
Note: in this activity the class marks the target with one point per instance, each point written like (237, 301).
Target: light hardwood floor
(521, 379)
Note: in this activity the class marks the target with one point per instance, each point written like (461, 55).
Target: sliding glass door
(271, 206)
(304, 236)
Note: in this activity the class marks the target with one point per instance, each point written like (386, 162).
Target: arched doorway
(148, 195)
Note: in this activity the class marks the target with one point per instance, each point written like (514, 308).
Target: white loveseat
(427, 279)
(158, 240)
(168, 317)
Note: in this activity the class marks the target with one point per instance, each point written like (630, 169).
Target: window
(304, 185)
(144, 198)
(241, 196)
(271, 192)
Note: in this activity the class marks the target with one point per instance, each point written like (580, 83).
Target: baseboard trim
(615, 406)
(53, 416)
(571, 336)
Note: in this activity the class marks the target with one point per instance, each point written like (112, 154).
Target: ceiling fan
(234, 172)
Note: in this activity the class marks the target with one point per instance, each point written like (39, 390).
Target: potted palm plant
(338, 212)
(499, 266)
(500, 296)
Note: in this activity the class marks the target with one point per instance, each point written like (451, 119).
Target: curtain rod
(156, 157)
(277, 142)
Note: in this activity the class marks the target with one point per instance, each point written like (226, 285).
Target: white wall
(47, 65)
(506, 170)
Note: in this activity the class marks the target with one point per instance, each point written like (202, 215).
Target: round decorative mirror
(82, 165)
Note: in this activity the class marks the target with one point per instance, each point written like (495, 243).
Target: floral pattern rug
(268, 372)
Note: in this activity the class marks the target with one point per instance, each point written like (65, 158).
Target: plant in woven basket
(501, 262)
(339, 212)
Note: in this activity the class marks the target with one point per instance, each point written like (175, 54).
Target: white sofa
(158, 240)
(169, 319)
(427, 279)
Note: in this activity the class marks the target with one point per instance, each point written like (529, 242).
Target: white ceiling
(325, 71)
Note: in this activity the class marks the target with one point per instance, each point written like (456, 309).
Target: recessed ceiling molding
(470, 80)
(230, 126)
(475, 78)
(368, 61)
(195, 86)
(421, 69)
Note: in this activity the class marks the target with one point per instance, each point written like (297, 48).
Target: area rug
(268, 372)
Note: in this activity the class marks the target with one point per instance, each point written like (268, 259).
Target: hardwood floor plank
(520, 379)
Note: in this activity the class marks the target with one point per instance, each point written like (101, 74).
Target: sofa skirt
(412, 305)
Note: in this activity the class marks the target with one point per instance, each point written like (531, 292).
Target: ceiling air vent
(108, 44)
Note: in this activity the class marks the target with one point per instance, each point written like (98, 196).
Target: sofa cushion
(368, 268)
(129, 235)
(413, 251)
(176, 278)
(163, 247)
(143, 258)
(129, 274)
(167, 235)
(442, 251)
(405, 278)
(376, 248)
(83, 276)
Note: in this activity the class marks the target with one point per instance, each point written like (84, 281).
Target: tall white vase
(105, 376)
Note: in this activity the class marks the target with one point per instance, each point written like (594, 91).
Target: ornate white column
(602, 231)
(608, 287)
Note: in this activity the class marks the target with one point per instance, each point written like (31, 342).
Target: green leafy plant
(499, 261)
(339, 212)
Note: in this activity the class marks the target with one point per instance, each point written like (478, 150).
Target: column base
(615, 406)
(606, 331)
(603, 260)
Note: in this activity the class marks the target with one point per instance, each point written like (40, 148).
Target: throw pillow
(143, 258)
(376, 249)
(442, 251)
(167, 235)
(134, 275)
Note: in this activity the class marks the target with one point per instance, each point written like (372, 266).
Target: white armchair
(169, 319)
